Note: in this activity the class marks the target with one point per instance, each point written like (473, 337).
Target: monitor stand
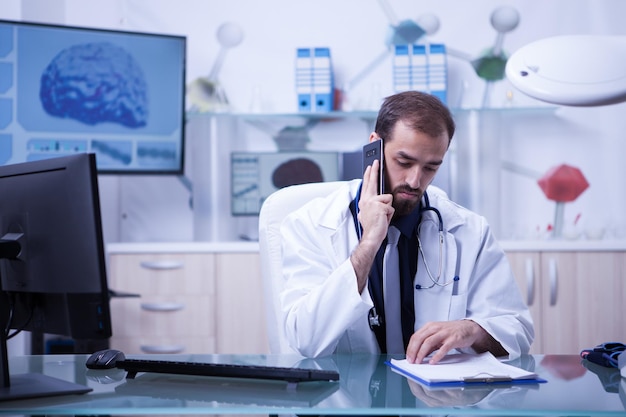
(31, 385)
(35, 385)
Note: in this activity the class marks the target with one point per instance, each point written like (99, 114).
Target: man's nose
(414, 178)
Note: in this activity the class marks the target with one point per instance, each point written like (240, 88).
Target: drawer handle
(162, 306)
(162, 265)
(530, 282)
(554, 282)
(162, 349)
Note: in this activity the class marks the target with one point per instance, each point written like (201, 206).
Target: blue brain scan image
(95, 83)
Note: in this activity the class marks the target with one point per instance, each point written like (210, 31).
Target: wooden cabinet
(577, 298)
(187, 303)
(240, 324)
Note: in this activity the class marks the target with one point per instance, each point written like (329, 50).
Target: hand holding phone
(375, 208)
(371, 152)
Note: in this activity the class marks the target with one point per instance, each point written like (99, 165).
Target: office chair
(273, 211)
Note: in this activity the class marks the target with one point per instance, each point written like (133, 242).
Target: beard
(403, 206)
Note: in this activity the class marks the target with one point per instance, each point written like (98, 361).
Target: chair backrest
(274, 209)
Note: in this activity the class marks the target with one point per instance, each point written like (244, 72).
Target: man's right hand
(375, 213)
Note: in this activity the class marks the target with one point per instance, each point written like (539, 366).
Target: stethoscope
(434, 280)
(373, 317)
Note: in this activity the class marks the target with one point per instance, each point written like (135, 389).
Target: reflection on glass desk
(366, 387)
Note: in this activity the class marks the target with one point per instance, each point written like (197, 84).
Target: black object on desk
(133, 366)
(236, 392)
(104, 359)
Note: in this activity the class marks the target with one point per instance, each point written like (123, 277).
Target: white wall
(140, 209)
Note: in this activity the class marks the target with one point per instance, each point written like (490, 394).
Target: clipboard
(465, 369)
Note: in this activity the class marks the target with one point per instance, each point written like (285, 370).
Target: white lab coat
(323, 313)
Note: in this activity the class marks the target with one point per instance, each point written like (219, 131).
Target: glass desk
(366, 387)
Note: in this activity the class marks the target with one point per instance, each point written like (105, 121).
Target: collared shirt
(407, 250)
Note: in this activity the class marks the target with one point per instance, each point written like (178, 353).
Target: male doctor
(457, 290)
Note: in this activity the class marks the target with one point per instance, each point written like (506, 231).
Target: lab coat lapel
(338, 231)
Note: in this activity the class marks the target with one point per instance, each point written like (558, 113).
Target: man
(457, 290)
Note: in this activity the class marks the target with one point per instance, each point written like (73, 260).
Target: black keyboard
(133, 366)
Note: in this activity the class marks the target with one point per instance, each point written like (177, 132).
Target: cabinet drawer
(161, 274)
(179, 310)
(163, 316)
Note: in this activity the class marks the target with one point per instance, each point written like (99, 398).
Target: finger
(366, 172)
(370, 179)
(425, 350)
(425, 341)
(389, 207)
(415, 346)
(443, 351)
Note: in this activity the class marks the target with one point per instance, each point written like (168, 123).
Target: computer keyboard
(133, 366)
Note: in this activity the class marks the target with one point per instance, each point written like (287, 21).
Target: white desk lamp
(577, 70)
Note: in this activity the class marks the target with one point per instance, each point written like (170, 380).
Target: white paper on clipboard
(464, 368)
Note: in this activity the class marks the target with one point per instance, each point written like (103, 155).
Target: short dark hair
(421, 111)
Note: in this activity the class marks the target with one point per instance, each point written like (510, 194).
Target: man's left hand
(445, 336)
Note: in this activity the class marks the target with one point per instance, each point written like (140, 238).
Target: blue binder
(421, 67)
(314, 80)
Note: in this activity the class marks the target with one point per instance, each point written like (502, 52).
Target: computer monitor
(256, 175)
(119, 94)
(52, 262)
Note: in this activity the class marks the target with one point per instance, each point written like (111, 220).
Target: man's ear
(374, 136)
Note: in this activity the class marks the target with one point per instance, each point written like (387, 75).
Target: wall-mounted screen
(120, 95)
(256, 175)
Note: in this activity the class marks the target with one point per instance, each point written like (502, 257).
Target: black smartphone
(371, 152)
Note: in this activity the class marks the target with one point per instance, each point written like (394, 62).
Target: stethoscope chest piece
(373, 318)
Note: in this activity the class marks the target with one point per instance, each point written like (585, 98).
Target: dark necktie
(391, 291)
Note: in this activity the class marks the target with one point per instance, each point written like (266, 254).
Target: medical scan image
(95, 83)
(297, 171)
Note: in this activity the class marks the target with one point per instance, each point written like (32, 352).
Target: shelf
(369, 115)
(309, 115)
